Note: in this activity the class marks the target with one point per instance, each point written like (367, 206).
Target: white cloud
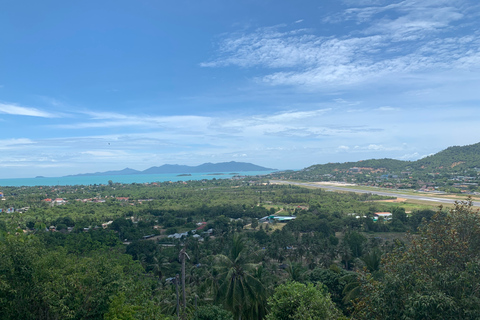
(14, 143)
(24, 111)
(387, 108)
(284, 139)
(393, 39)
(103, 154)
(411, 156)
(377, 147)
(110, 120)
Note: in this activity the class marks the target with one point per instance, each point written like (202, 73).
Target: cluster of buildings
(201, 226)
(377, 215)
(276, 218)
(13, 210)
(57, 201)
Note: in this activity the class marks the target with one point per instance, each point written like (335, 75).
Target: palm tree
(158, 267)
(372, 260)
(351, 291)
(238, 289)
(296, 271)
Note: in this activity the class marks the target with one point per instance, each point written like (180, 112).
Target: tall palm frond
(238, 289)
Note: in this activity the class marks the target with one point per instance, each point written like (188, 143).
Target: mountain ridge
(231, 166)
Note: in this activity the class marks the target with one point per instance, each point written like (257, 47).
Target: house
(178, 235)
(356, 215)
(106, 224)
(384, 215)
(201, 225)
(59, 201)
(276, 218)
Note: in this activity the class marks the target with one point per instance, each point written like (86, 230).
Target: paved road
(381, 193)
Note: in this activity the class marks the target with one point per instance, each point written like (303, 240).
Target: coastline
(132, 178)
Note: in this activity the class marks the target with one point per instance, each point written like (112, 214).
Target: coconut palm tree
(238, 289)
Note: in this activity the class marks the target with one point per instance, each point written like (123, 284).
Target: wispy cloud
(111, 119)
(400, 38)
(24, 111)
(105, 154)
(387, 108)
(14, 143)
(377, 147)
(291, 136)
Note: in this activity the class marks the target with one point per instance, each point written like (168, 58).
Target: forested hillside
(455, 169)
(452, 159)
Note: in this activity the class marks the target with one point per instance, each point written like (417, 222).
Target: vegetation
(435, 277)
(299, 301)
(103, 256)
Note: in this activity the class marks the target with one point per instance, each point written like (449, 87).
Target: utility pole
(178, 299)
(181, 256)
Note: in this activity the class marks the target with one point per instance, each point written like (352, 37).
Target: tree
(336, 280)
(254, 223)
(356, 242)
(435, 277)
(212, 312)
(238, 289)
(399, 214)
(119, 310)
(298, 301)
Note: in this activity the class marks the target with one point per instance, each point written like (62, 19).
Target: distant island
(183, 170)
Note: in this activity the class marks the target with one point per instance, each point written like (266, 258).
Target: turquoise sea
(133, 178)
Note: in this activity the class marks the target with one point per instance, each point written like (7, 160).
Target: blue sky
(91, 86)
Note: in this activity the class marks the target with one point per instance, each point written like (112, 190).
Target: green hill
(456, 159)
(452, 159)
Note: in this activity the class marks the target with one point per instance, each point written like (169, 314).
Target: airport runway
(381, 193)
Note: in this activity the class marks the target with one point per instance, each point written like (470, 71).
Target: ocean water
(133, 178)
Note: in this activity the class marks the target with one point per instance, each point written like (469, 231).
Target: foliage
(238, 289)
(119, 310)
(336, 280)
(436, 277)
(91, 272)
(294, 300)
(212, 312)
